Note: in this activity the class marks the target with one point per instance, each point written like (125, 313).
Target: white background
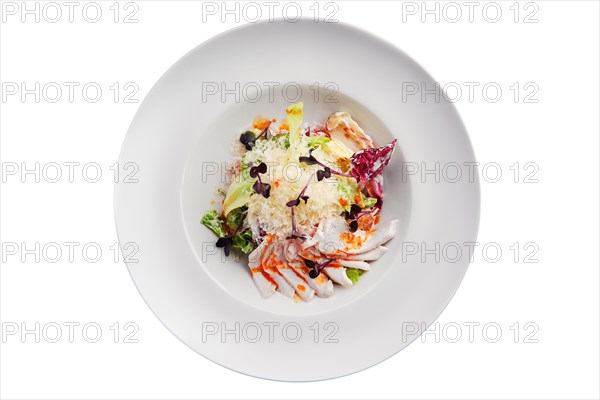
(559, 133)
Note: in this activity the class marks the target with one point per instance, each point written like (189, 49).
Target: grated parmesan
(287, 179)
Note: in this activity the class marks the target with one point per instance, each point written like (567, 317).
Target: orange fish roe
(284, 125)
(261, 123)
(351, 240)
(276, 184)
(293, 111)
(344, 164)
(343, 202)
(366, 222)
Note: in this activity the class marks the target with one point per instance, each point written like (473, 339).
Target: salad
(303, 202)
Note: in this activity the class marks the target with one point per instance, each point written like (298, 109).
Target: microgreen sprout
(294, 203)
(248, 138)
(316, 268)
(321, 174)
(260, 187)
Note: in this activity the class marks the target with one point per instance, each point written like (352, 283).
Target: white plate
(181, 132)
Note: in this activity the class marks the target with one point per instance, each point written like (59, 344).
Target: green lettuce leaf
(353, 274)
(243, 241)
(294, 118)
(314, 141)
(234, 218)
(368, 201)
(211, 219)
(346, 192)
(348, 189)
(238, 194)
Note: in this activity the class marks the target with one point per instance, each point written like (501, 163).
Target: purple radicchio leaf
(367, 169)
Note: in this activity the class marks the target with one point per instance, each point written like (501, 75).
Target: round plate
(179, 141)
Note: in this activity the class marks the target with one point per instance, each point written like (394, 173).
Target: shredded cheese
(287, 179)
